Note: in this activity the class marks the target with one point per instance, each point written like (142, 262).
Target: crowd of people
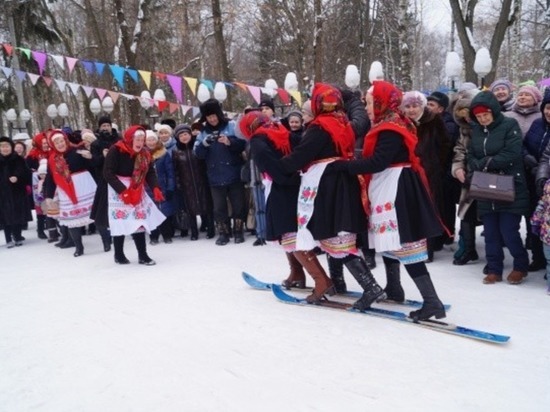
(349, 175)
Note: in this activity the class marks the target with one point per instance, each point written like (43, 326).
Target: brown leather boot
(323, 284)
(516, 277)
(297, 277)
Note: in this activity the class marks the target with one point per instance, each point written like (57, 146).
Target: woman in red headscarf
(128, 166)
(70, 179)
(329, 205)
(401, 213)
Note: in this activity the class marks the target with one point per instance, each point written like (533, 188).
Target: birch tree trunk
(318, 43)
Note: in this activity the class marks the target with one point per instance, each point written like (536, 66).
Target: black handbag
(181, 220)
(493, 187)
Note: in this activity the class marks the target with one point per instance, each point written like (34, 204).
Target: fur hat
(267, 103)
(533, 92)
(440, 98)
(209, 107)
(43, 167)
(169, 122)
(182, 128)
(103, 120)
(502, 83)
(7, 140)
(414, 97)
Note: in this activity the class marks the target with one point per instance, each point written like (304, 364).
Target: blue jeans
(502, 227)
(546, 250)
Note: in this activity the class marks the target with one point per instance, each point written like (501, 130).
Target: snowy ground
(84, 334)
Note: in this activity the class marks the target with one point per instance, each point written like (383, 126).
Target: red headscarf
(58, 165)
(36, 152)
(142, 159)
(387, 116)
(255, 123)
(328, 108)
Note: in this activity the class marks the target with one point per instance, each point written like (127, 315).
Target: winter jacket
(525, 116)
(162, 163)
(223, 162)
(541, 215)
(540, 129)
(501, 143)
(13, 196)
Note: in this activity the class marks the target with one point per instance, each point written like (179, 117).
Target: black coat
(337, 206)
(75, 162)
(118, 163)
(191, 179)
(281, 210)
(13, 196)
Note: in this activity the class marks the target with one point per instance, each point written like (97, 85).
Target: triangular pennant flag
(173, 108)
(71, 61)
(160, 76)
(146, 76)
(47, 80)
(208, 84)
(114, 96)
(196, 111)
(7, 71)
(59, 60)
(175, 83)
(88, 90)
(21, 75)
(255, 92)
(88, 66)
(34, 78)
(133, 75)
(118, 74)
(26, 52)
(162, 104)
(185, 109)
(75, 87)
(61, 85)
(99, 68)
(545, 82)
(296, 95)
(128, 96)
(192, 83)
(40, 59)
(100, 93)
(283, 94)
(8, 48)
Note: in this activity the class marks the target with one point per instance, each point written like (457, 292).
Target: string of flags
(119, 73)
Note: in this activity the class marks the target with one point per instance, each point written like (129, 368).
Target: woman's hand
(460, 175)
(13, 179)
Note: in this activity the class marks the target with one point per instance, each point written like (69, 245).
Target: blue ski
(394, 315)
(258, 284)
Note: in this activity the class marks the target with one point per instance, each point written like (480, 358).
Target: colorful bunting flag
(192, 83)
(26, 52)
(59, 60)
(8, 48)
(34, 78)
(133, 75)
(75, 87)
(40, 59)
(175, 83)
(255, 92)
(88, 66)
(100, 93)
(118, 74)
(146, 76)
(99, 67)
(71, 61)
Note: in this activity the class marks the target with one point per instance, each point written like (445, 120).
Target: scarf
(328, 109)
(256, 123)
(58, 166)
(142, 159)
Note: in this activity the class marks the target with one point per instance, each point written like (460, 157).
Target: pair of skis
(436, 325)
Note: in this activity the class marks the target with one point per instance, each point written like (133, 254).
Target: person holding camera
(106, 137)
(221, 149)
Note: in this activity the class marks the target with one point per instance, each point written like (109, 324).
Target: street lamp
(483, 64)
(108, 105)
(453, 67)
(17, 122)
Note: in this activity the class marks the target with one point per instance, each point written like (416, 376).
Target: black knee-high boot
(432, 306)
(372, 291)
(393, 288)
(105, 237)
(118, 243)
(194, 228)
(141, 246)
(40, 226)
(66, 241)
(76, 235)
(336, 273)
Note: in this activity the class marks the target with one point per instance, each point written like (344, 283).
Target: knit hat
(7, 140)
(151, 134)
(267, 103)
(294, 113)
(533, 92)
(43, 167)
(480, 109)
(88, 135)
(466, 86)
(103, 120)
(414, 98)
(164, 127)
(182, 128)
(440, 98)
(500, 83)
(306, 108)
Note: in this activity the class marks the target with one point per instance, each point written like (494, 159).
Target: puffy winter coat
(13, 196)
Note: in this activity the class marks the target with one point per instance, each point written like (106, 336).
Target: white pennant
(59, 60)
(88, 90)
(61, 84)
(34, 78)
(75, 87)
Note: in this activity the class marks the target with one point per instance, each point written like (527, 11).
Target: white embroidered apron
(77, 215)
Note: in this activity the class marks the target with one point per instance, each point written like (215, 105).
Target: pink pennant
(173, 108)
(8, 48)
(88, 90)
(255, 92)
(175, 83)
(71, 61)
(47, 80)
(114, 96)
(34, 78)
(100, 93)
(40, 59)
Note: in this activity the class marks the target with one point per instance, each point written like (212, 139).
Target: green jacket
(500, 141)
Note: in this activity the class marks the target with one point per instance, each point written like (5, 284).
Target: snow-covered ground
(85, 334)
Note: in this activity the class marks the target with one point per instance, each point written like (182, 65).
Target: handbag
(496, 187)
(181, 220)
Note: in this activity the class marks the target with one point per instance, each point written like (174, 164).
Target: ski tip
(255, 283)
(283, 296)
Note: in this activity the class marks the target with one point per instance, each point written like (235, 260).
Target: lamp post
(483, 64)
(453, 67)
(17, 122)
